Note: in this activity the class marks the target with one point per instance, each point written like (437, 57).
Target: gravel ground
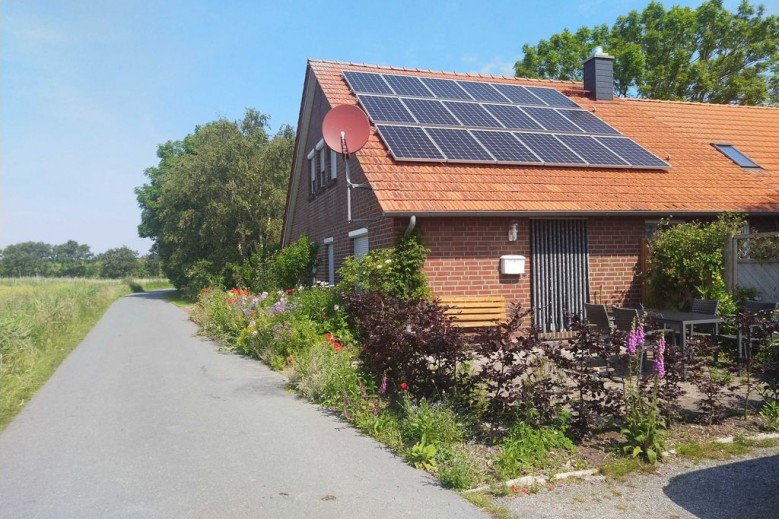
(745, 488)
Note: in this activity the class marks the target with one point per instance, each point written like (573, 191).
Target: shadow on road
(154, 294)
(745, 489)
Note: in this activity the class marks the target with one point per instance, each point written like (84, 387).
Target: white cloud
(497, 67)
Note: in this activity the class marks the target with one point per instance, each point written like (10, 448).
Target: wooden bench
(475, 312)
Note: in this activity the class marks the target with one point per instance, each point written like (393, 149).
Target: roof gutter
(563, 214)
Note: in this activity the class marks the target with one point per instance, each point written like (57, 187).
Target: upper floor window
(312, 172)
(333, 165)
(734, 154)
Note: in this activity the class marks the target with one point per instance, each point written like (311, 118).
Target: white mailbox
(511, 264)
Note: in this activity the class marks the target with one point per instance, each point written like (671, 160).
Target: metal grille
(560, 275)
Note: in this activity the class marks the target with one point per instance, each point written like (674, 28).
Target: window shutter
(360, 246)
(312, 163)
(330, 264)
(333, 164)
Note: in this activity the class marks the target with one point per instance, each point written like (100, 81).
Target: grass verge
(179, 299)
(484, 502)
(41, 321)
(621, 467)
(712, 450)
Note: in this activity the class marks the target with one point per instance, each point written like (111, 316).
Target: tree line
(73, 259)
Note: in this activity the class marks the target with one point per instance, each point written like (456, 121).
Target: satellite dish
(346, 129)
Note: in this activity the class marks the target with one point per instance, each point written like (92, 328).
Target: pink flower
(660, 360)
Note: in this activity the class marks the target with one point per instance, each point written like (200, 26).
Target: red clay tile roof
(701, 178)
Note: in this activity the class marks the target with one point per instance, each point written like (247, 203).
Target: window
(322, 169)
(733, 153)
(312, 170)
(360, 238)
(330, 261)
(333, 165)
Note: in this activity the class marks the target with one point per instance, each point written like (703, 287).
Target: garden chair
(624, 318)
(746, 344)
(598, 318)
(704, 306)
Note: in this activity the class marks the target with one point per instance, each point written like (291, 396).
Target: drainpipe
(412, 222)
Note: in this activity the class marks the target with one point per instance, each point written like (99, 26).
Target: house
(577, 214)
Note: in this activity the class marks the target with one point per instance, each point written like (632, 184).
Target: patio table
(684, 321)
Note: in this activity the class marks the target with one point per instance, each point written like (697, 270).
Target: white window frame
(359, 237)
(330, 261)
(322, 169)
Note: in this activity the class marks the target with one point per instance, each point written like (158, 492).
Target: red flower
(525, 490)
(291, 359)
(403, 386)
(337, 346)
(290, 290)
(231, 301)
(514, 488)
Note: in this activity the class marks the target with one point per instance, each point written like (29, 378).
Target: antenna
(346, 128)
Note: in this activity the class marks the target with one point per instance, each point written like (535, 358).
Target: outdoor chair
(598, 318)
(704, 306)
(624, 318)
(746, 344)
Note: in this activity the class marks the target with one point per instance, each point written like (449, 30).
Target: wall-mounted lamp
(513, 231)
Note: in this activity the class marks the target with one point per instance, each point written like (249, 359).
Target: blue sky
(89, 89)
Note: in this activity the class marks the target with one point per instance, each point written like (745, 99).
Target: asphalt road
(146, 420)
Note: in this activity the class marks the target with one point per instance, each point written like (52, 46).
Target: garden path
(144, 419)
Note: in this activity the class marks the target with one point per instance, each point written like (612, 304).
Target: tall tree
(71, 259)
(217, 195)
(26, 259)
(118, 263)
(707, 54)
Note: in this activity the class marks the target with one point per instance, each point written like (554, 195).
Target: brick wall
(615, 250)
(465, 258)
(325, 214)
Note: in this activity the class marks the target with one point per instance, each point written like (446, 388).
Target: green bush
(688, 256)
(395, 272)
(294, 265)
(326, 376)
(431, 424)
(526, 447)
(457, 468)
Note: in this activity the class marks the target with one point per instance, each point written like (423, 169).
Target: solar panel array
(447, 120)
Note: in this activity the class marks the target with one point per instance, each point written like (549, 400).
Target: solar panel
(631, 152)
(364, 82)
(591, 150)
(550, 119)
(445, 88)
(459, 145)
(407, 86)
(552, 97)
(430, 111)
(434, 119)
(409, 143)
(588, 122)
(386, 109)
(472, 114)
(518, 94)
(512, 117)
(482, 91)
(549, 148)
(505, 147)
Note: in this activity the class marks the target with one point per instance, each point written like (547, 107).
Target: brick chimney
(599, 75)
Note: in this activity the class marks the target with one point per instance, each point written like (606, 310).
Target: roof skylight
(733, 153)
